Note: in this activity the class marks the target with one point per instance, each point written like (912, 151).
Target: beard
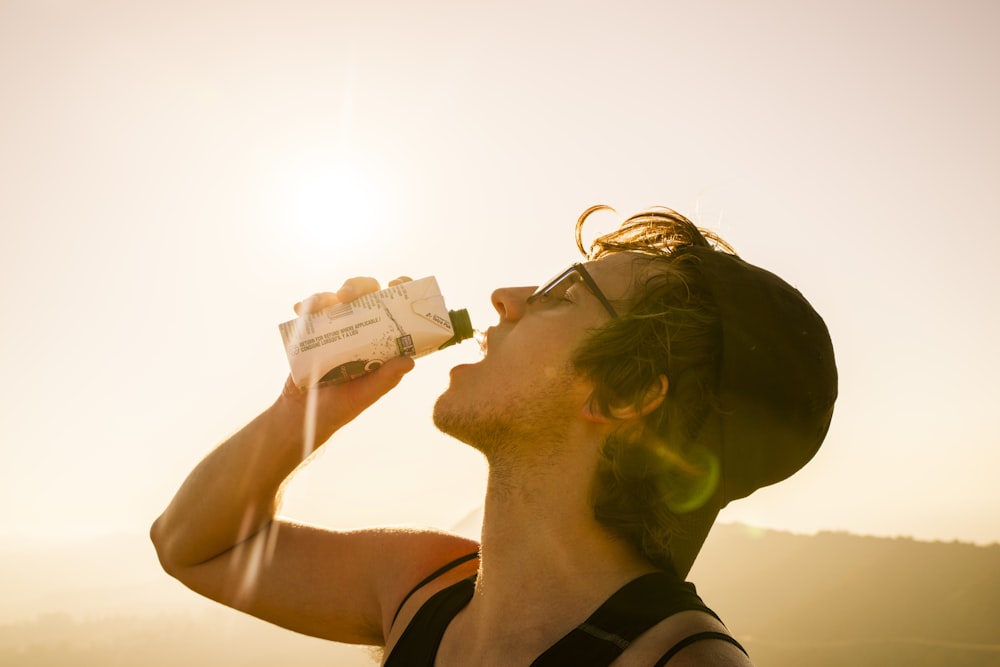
(532, 419)
(488, 434)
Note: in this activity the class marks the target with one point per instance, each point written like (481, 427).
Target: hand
(353, 288)
(326, 408)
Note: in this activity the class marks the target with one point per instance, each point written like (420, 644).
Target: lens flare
(698, 474)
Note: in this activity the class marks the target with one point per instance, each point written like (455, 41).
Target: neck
(543, 552)
(542, 521)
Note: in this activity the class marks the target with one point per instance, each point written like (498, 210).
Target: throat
(546, 565)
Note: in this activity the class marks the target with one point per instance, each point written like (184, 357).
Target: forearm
(234, 492)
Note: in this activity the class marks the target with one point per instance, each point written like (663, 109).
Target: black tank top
(597, 642)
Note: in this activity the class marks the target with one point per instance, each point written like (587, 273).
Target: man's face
(525, 388)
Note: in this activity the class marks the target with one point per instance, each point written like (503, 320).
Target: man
(619, 407)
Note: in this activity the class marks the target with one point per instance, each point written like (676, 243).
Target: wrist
(295, 419)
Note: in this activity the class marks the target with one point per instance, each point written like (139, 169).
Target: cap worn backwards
(778, 376)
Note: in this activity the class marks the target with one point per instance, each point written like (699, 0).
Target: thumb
(392, 371)
(361, 392)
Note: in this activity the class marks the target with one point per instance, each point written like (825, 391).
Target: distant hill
(840, 599)
(794, 600)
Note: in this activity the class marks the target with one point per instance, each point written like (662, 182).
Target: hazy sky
(174, 176)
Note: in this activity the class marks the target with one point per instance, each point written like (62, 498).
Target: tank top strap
(418, 645)
(431, 577)
(633, 609)
(698, 637)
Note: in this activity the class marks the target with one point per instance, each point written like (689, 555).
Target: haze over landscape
(826, 600)
(173, 177)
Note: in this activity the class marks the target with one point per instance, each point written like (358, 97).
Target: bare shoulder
(381, 565)
(655, 643)
(436, 561)
(417, 555)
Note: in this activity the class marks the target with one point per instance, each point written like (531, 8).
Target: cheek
(556, 372)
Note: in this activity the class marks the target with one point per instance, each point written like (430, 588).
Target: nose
(510, 302)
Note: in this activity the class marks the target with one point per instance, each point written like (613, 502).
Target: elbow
(158, 536)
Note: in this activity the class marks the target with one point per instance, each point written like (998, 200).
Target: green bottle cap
(461, 324)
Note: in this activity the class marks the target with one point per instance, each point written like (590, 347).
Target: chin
(462, 420)
(444, 410)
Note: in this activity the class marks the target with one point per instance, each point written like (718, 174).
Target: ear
(652, 399)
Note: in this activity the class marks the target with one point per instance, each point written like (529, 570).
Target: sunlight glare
(332, 205)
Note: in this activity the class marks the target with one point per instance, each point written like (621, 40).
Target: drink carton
(348, 340)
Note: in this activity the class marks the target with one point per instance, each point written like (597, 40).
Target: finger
(360, 393)
(357, 287)
(344, 401)
(315, 303)
(352, 289)
(400, 280)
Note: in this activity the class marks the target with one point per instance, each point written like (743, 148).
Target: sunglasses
(567, 279)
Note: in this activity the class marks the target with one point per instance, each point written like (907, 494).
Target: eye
(561, 293)
(546, 299)
(566, 290)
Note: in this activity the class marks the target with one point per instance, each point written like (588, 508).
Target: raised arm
(220, 536)
(234, 492)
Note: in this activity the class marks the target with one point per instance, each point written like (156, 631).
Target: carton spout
(461, 324)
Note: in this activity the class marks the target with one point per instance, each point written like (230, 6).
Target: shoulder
(658, 641)
(423, 562)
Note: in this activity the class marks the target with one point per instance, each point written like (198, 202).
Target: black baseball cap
(777, 387)
(777, 379)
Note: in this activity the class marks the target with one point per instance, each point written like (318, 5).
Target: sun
(333, 203)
